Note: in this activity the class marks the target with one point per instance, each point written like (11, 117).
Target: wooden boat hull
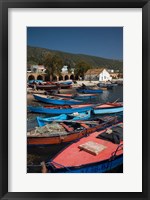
(56, 101)
(74, 160)
(78, 96)
(65, 82)
(43, 121)
(45, 87)
(49, 110)
(107, 86)
(33, 140)
(107, 110)
(99, 167)
(65, 86)
(82, 116)
(88, 91)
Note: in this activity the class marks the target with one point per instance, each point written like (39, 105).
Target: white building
(38, 68)
(65, 69)
(100, 74)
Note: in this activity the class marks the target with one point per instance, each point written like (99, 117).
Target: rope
(112, 157)
(52, 162)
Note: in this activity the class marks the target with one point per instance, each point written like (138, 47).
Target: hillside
(35, 55)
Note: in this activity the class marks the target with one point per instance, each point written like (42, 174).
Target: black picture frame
(4, 6)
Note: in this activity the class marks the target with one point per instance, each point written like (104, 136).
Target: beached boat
(68, 109)
(81, 90)
(35, 81)
(44, 87)
(67, 82)
(78, 96)
(59, 132)
(73, 117)
(56, 100)
(64, 86)
(108, 108)
(91, 154)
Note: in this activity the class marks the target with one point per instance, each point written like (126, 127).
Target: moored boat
(44, 87)
(73, 117)
(55, 100)
(67, 82)
(78, 96)
(108, 108)
(108, 86)
(68, 109)
(82, 90)
(64, 86)
(60, 132)
(92, 154)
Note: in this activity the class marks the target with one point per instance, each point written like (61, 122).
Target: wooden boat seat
(92, 147)
(114, 104)
(84, 125)
(67, 127)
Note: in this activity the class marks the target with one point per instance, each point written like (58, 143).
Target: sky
(106, 42)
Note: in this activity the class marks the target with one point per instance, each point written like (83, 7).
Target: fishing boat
(55, 100)
(108, 108)
(108, 86)
(35, 81)
(78, 96)
(63, 109)
(62, 132)
(67, 82)
(91, 91)
(44, 87)
(64, 86)
(72, 117)
(90, 154)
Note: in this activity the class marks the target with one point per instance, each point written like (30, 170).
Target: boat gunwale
(83, 165)
(85, 131)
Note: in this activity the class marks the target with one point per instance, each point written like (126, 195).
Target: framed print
(74, 99)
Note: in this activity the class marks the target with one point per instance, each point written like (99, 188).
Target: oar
(116, 100)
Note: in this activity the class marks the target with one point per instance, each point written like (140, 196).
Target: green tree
(81, 68)
(53, 65)
(57, 65)
(47, 62)
(68, 63)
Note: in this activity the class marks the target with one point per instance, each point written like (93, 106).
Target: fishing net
(53, 128)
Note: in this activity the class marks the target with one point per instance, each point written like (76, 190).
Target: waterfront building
(36, 72)
(100, 74)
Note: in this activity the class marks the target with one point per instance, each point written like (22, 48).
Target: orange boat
(60, 132)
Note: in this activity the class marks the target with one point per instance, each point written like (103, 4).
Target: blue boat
(85, 96)
(65, 82)
(60, 109)
(56, 100)
(108, 108)
(35, 81)
(73, 117)
(78, 96)
(98, 167)
(92, 91)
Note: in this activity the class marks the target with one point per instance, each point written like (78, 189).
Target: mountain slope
(35, 56)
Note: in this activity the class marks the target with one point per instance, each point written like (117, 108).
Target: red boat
(63, 86)
(45, 86)
(89, 155)
(65, 131)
